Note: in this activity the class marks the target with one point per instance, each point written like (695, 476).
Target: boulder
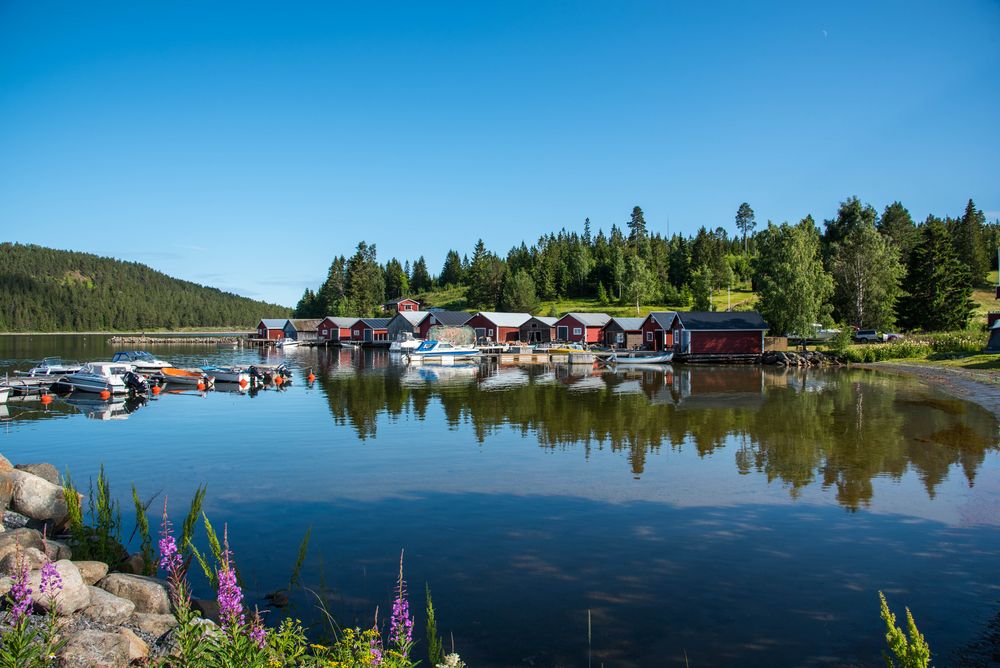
(37, 498)
(45, 471)
(75, 594)
(152, 623)
(134, 564)
(56, 550)
(11, 541)
(6, 489)
(108, 608)
(94, 649)
(92, 571)
(5, 464)
(12, 520)
(31, 557)
(6, 582)
(138, 650)
(208, 607)
(148, 594)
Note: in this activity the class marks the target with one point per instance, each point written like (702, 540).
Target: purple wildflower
(376, 649)
(51, 583)
(229, 596)
(20, 594)
(401, 625)
(257, 632)
(170, 558)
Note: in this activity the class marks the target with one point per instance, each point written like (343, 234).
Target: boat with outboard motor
(141, 361)
(186, 377)
(227, 374)
(4, 393)
(404, 343)
(50, 366)
(286, 344)
(438, 350)
(113, 377)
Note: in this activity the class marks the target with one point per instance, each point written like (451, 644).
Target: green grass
(985, 298)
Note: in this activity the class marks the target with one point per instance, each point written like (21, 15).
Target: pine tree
(897, 225)
(519, 294)
(331, 296)
(745, 222)
(396, 283)
(938, 285)
(701, 289)
(451, 272)
(365, 282)
(968, 240)
(421, 280)
(637, 225)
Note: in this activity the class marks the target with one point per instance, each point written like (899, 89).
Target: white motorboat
(227, 374)
(142, 362)
(100, 376)
(286, 344)
(442, 350)
(640, 358)
(404, 343)
(51, 366)
(4, 393)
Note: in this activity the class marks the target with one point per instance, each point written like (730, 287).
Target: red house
(499, 327)
(581, 327)
(402, 304)
(657, 330)
(706, 333)
(333, 328)
(370, 330)
(271, 328)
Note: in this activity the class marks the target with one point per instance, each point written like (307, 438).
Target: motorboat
(141, 361)
(186, 377)
(100, 376)
(286, 344)
(640, 358)
(51, 366)
(4, 393)
(404, 343)
(562, 349)
(441, 350)
(227, 374)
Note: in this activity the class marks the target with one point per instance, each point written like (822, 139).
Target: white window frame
(649, 337)
(577, 331)
(357, 332)
(489, 332)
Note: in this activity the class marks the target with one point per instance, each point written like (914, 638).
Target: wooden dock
(31, 385)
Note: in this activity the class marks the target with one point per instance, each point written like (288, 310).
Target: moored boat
(404, 343)
(286, 344)
(437, 350)
(4, 393)
(141, 361)
(640, 358)
(227, 374)
(100, 376)
(186, 377)
(51, 366)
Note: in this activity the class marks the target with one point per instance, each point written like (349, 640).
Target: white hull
(641, 359)
(286, 343)
(91, 383)
(4, 393)
(228, 375)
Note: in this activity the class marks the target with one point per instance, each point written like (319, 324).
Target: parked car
(866, 336)
(887, 337)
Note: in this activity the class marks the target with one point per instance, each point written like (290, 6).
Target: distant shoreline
(148, 332)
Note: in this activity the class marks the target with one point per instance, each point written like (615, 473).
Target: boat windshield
(145, 357)
(427, 345)
(51, 361)
(445, 345)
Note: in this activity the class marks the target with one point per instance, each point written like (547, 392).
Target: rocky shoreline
(108, 619)
(174, 340)
(809, 358)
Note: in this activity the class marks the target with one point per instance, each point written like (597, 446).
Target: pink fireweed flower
(376, 649)
(257, 634)
(170, 558)
(51, 583)
(20, 594)
(401, 625)
(229, 596)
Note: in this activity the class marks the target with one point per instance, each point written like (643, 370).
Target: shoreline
(982, 388)
(147, 333)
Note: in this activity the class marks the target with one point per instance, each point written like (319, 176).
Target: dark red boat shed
(725, 333)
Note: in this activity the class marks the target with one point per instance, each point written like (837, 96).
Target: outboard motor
(135, 383)
(256, 377)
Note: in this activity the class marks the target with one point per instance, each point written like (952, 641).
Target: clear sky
(243, 145)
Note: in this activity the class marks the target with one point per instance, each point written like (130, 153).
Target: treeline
(46, 290)
(632, 265)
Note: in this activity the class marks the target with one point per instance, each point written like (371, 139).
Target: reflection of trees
(842, 429)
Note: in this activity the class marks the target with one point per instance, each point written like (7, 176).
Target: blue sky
(243, 145)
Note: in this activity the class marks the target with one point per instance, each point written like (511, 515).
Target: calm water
(732, 514)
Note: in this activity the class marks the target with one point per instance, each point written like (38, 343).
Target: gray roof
(375, 323)
(506, 319)
(735, 320)
(341, 321)
(274, 323)
(305, 325)
(629, 324)
(590, 319)
(544, 319)
(413, 317)
(451, 318)
(663, 318)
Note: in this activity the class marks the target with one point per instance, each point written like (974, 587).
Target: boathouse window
(619, 337)
(489, 332)
(356, 332)
(577, 331)
(649, 336)
(325, 332)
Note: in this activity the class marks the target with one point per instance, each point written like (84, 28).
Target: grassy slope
(454, 299)
(985, 298)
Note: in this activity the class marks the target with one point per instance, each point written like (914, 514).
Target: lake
(727, 515)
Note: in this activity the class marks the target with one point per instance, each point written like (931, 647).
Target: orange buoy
(201, 386)
(278, 380)
(243, 382)
(312, 377)
(156, 389)
(46, 400)
(105, 394)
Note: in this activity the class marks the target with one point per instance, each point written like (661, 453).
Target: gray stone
(44, 471)
(6, 488)
(12, 520)
(56, 550)
(38, 498)
(22, 538)
(133, 564)
(94, 649)
(92, 571)
(75, 594)
(148, 594)
(30, 557)
(138, 650)
(152, 623)
(208, 607)
(108, 608)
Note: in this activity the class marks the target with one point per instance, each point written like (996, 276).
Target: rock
(278, 599)
(45, 471)
(138, 650)
(75, 594)
(133, 564)
(21, 538)
(31, 557)
(152, 623)
(5, 584)
(56, 550)
(12, 520)
(92, 571)
(107, 608)
(148, 594)
(5, 464)
(6, 488)
(38, 498)
(208, 607)
(94, 649)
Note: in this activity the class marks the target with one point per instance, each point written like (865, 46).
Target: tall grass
(101, 540)
(916, 346)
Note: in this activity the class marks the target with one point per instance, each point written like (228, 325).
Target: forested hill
(48, 290)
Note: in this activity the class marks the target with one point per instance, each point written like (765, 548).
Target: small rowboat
(628, 359)
(185, 377)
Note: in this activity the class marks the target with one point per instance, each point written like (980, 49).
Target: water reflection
(839, 429)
